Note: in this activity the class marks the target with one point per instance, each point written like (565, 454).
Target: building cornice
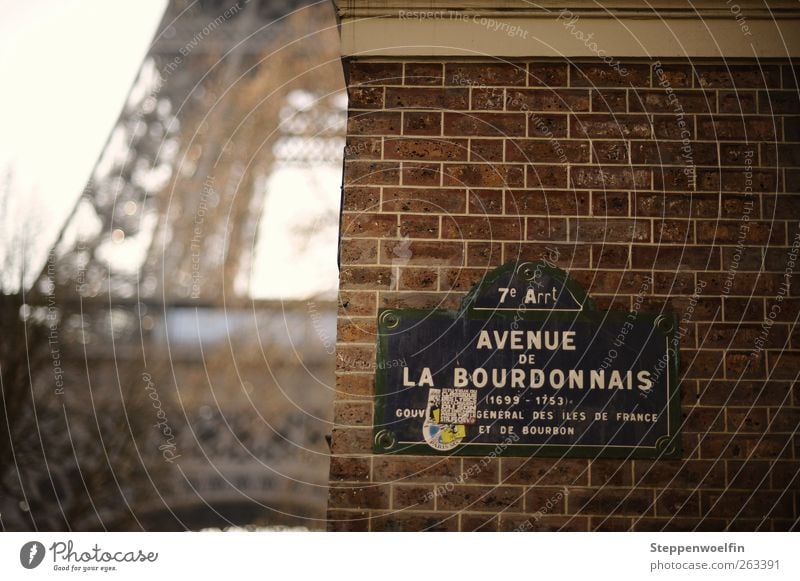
(520, 28)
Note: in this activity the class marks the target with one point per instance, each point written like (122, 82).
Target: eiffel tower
(153, 280)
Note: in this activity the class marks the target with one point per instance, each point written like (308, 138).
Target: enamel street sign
(527, 367)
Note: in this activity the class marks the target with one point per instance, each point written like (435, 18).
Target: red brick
(421, 174)
(486, 150)
(746, 284)
(785, 474)
(367, 73)
(542, 472)
(351, 440)
(359, 251)
(546, 176)
(547, 203)
(547, 74)
(780, 155)
(543, 523)
(365, 97)
(364, 277)
(371, 173)
(482, 228)
(660, 101)
(610, 256)
(783, 364)
(483, 498)
(423, 74)
(760, 504)
(604, 472)
(739, 76)
(610, 524)
(352, 413)
(547, 100)
(356, 303)
(373, 123)
(427, 98)
(396, 521)
(421, 123)
(415, 469)
(426, 149)
(426, 200)
(363, 148)
(701, 364)
(680, 473)
(784, 419)
(355, 386)
(730, 231)
(349, 468)
(347, 521)
(419, 252)
(738, 154)
(484, 124)
(358, 496)
(739, 102)
(414, 496)
(668, 126)
(566, 255)
(484, 175)
(462, 279)
(676, 205)
(359, 199)
(488, 99)
(676, 257)
(609, 230)
(546, 229)
(673, 76)
(610, 126)
(610, 152)
(610, 100)
(602, 75)
(678, 503)
(791, 128)
(778, 102)
(609, 501)
(546, 500)
(419, 300)
(609, 177)
(703, 420)
(742, 364)
(547, 151)
(479, 522)
(484, 253)
(751, 475)
(605, 203)
(485, 201)
(368, 225)
(667, 153)
(673, 231)
(749, 309)
(752, 128)
(480, 74)
(543, 125)
(418, 279)
(419, 226)
(738, 335)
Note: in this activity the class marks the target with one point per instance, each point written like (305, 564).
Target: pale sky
(67, 66)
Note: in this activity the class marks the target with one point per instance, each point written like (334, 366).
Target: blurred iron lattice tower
(172, 210)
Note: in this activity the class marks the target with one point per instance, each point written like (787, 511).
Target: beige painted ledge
(623, 28)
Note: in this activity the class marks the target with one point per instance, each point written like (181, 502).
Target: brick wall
(686, 174)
